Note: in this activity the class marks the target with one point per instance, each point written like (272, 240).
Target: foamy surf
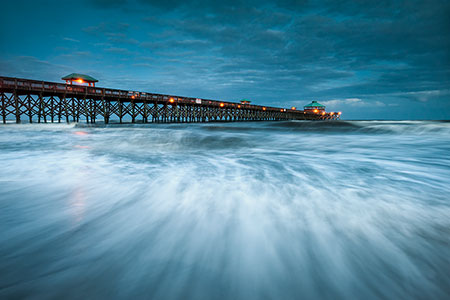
(276, 210)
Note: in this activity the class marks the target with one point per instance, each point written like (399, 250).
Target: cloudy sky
(369, 59)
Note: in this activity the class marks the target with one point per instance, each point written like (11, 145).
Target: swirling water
(270, 210)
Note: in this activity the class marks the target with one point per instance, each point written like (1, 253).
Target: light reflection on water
(284, 210)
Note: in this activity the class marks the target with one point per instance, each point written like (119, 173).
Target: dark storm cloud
(337, 40)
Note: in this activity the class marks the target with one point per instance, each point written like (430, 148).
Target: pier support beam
(105, 110)
(17, 107)
(29, 106)
(120, 112)
(3, 108)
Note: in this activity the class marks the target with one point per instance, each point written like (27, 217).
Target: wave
(375, 127)
(331, 127)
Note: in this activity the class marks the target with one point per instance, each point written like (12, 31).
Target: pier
(41, 101)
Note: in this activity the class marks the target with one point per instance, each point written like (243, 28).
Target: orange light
(132, 97)
(281, 109)
(171, 100)
(80, 80)
(323, 113)
(80, 133)
(339, 113)
(264, 108)
(222, 104)
(331, 113)
(293, 108)
(239, 106)
(315, 110)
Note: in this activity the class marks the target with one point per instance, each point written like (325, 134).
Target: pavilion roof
(314, 104)
(75, 76)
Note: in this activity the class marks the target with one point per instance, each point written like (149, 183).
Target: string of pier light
(222, 104)
(172, 101)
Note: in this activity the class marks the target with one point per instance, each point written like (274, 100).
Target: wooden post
(74, 115)
(89, 111)
(3, 108)
(52, 108)
(94, 110)
(120, 111)
(86, 109)
(39, 108)
(17, 107)
(30, 108)
(44, 107)
(105, 111)
(59, 109)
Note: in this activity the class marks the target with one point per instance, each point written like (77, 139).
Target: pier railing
(42, 101)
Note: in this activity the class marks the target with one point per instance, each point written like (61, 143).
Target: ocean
(252, 210)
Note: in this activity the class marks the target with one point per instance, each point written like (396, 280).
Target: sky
(369, 59)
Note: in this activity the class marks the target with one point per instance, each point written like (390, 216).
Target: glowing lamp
(171, 100)
(264, 108)
(239, 106)
(323, 114)
(316, 110)
(222, 104)
(293, 108)
(331, 113)
(80, 80)
(339, 113)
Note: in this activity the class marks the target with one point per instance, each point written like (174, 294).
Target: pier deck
(41, 101)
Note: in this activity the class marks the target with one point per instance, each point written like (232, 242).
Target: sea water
(255, 210)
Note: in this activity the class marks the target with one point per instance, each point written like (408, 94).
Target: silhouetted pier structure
(41, 101)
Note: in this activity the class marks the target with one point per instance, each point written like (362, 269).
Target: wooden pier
(40, 101)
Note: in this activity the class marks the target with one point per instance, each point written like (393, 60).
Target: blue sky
(368, 59)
